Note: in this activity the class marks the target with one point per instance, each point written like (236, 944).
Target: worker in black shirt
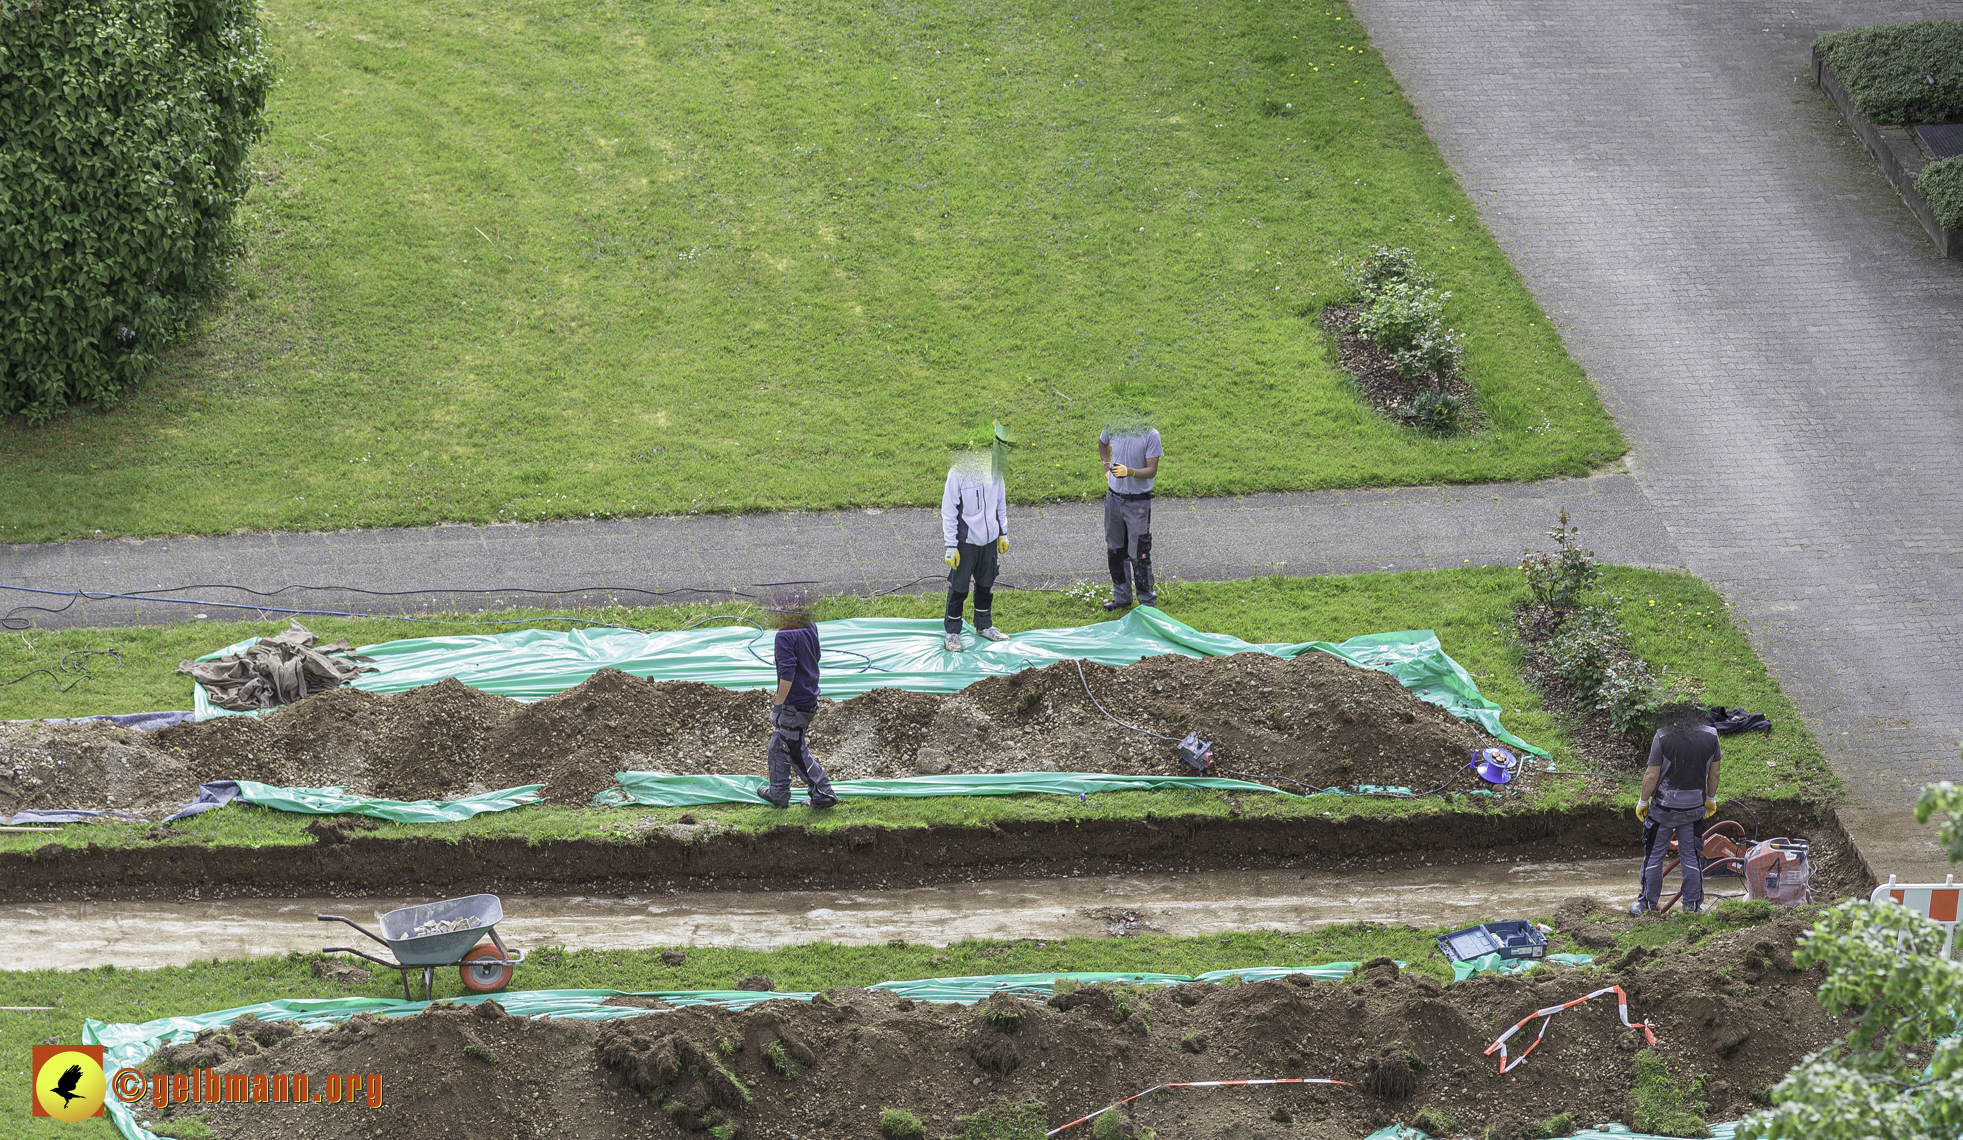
(1680, 790)
(793, 710)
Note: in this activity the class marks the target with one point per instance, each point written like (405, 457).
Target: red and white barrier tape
(1622, 1006)
(1199, 1085)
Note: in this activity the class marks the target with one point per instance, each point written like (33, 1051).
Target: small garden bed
(1406, 362)
(1888, 80)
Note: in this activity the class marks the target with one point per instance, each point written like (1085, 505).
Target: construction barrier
(1936, 902)
(862, 654)
(1622, 1007)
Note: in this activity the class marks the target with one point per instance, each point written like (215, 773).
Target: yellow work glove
(1642, 810)
(952, 558)
(1002, 545)
(1710, 807)
(1120, 470)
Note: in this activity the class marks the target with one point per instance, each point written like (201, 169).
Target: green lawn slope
(536, 259)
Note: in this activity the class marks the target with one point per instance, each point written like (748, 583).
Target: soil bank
(1729, 1009)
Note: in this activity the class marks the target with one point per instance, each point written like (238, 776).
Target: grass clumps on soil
(1941, 185)
(1434, 1121)
(1900, 74)
(186, 1128)
(481, 1053)
(1007, 1120)
(899, 1124)
(1112, 1125)
(1554, 1127)
(395, 351)
(1660, 1104)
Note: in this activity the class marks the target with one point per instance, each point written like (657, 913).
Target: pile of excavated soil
(1314, 719)
(1729, 1009)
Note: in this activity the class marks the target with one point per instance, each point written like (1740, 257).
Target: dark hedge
(1888, 70)
(124, 127)
(1941, 185)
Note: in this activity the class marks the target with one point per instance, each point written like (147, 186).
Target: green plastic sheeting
(862, 654)
(659, 789)
(126, 1045)
(1494, 964)
(338, 801)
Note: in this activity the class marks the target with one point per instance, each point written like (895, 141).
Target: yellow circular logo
(69, 1086)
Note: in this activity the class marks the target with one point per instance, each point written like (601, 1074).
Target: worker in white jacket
(975, 531)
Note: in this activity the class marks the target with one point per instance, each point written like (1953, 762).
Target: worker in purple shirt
(793, 710)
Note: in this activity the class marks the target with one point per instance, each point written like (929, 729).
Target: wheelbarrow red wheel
(481, 977)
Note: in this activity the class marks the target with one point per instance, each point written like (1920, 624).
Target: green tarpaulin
(1494, 964)
(862, 654)
(659, 789)
(338, 801)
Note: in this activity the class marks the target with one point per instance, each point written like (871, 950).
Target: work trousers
(978, 568)
(789, 752)
(1128, 548)
(1662, 826)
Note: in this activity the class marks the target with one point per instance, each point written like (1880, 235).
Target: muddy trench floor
(1730, 1010)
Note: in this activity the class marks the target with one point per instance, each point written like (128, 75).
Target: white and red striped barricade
(1936, 902)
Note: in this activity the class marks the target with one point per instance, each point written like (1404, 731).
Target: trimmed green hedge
(1941, 185)
(124, 126)
(1888, 70)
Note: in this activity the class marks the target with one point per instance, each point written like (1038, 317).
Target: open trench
(74, 935)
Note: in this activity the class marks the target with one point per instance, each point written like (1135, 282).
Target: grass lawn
(543, 259)
(1676, 622)
(112, 995)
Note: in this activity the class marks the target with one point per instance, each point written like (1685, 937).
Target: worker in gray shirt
(1131, 462)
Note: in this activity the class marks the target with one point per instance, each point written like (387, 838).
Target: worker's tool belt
(1138, 498)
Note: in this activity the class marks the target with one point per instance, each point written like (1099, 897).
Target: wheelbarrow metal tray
(440, 949)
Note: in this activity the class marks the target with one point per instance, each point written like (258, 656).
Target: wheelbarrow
(485, 968)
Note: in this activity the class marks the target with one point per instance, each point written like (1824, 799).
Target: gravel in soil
(1314, 719)
(1729, 1008)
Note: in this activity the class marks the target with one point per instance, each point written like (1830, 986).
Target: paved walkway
(1768, 324)
(630, 560)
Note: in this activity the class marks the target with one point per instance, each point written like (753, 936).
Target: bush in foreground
(124, 126)
(1900, 73)
(1941, 185)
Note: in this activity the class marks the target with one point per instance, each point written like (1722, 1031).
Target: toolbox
(1517, 939)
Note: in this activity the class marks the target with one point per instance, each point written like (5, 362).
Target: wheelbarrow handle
(364, 954)
(353, 923)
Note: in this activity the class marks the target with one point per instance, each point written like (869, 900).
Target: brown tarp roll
(277, 671)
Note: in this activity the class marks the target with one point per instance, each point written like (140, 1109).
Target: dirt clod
(346, 975)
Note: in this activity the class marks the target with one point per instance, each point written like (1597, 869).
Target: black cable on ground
(1107, 712)
(74, 663)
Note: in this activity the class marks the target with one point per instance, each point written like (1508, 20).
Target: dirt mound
(1315, 720)
(1729, 1011)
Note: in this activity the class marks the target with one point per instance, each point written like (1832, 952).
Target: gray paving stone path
(467, 567)
(1771, 329)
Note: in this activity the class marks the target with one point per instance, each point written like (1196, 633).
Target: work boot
(1693, 907)
(952, 643)
(993, 634)
(1116, 603)
(1141, 577)
(763, 793)
(829, 801)
(1638, 909)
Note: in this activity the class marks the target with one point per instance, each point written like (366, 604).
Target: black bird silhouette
(65, 1087)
